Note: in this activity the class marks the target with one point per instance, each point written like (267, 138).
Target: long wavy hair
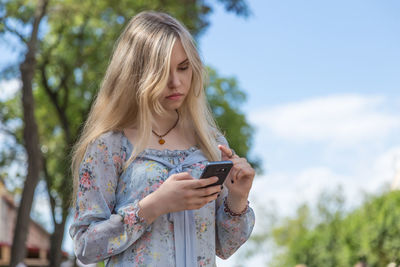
(135, 79)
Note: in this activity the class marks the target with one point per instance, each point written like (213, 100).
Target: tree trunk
(57, 236)
(31, 140)
(56, 243)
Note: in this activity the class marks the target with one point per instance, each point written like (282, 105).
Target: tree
(225, 99)
(329, 236)
(72, 60)
(31, 138)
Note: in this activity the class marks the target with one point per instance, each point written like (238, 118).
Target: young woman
(149, 134)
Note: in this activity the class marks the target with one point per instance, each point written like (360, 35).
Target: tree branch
(81, 38)
(63, 85)
(13, 31)
(9, 132)
(53, 94)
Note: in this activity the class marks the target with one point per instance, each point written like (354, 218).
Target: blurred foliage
(12, 152)
(225, 98)
(330, 236)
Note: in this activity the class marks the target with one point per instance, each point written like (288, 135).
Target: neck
(162, 123)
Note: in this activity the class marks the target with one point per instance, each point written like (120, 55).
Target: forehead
(178, 53)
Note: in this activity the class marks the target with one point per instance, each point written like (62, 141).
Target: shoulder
(111, 137)
(219, 137)
(109, 148)
(221, 140)
(112, 141)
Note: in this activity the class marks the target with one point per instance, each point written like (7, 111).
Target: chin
(174, 106)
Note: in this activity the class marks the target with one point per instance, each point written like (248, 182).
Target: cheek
(188, 79)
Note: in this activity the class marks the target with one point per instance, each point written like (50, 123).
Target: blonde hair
(135, 78)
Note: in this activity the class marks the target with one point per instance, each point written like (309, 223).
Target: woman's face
(179, 81)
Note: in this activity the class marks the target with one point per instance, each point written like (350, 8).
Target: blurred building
(38, 239)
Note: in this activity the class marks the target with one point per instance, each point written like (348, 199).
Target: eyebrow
(183, 61)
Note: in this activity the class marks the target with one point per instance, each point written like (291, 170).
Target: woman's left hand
(240, 178)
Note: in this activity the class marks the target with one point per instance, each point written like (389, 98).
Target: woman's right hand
(179, 192)
(183, 192)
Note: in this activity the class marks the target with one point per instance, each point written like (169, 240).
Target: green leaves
(333, 237)
(225, 99)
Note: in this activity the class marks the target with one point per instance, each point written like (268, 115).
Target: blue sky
(291, 50)
(323, 86)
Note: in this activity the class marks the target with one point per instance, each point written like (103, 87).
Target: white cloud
(338, 119)
(288, 189)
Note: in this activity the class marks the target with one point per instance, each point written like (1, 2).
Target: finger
(182, 176)
(205, 200)
(208, 191)
(236, 160)
(236, 170)
(233, 174)
(203, 182)
(247, 171)
(226, 152)
(212, 197)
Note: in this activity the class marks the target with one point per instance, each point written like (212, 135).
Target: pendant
(161, 141)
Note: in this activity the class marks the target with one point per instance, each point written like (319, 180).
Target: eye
(184, 68)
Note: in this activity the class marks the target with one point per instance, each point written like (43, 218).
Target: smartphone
(217, 168)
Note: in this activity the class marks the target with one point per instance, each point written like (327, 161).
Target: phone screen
(220, 169)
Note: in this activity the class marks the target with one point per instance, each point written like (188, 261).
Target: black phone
(217, 168)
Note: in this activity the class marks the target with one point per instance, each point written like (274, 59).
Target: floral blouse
(106, 225)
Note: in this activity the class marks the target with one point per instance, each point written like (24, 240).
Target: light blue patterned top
(106, 226)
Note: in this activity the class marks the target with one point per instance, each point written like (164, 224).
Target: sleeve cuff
(131, 218)
(232, 214)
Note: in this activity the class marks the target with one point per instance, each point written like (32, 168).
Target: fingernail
(232, 181)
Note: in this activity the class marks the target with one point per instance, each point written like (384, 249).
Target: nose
(173, 81)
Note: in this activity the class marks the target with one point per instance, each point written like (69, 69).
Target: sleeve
(231, 231)
(98, 232)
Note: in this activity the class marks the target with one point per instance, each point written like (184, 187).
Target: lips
(175, 96)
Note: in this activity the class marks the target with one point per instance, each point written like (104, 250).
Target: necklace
(162, 140)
